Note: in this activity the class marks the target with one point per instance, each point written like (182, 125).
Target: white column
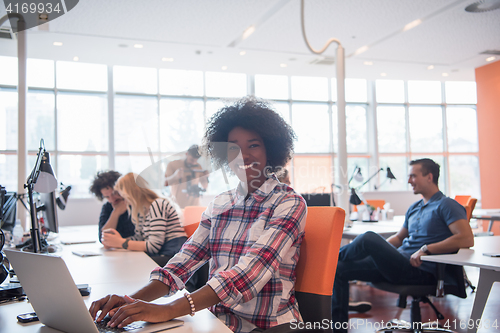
(22, 90)
(342, 153)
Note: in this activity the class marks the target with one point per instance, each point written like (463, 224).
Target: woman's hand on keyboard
(135, 310)
(108, 304)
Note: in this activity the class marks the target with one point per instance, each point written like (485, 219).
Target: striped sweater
(160, 225)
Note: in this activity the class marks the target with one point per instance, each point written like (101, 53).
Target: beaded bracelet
(191, 303)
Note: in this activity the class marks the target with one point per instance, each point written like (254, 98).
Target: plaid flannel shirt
(253, 248)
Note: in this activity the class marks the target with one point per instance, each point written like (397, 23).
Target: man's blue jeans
(370, 258)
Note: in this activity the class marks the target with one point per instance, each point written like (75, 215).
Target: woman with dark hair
(250, 235)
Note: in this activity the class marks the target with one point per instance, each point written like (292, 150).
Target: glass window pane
(8, 70)
(356, 90)
(399, 168)
(135, 79)
(462, 129)
(133, 162)
(81, 76)
(217, 182)
(426, 129)
(8, 172)
(312, 174)
(357, 141)
(460, 92)
(181, 124)
(79, 171)
(212, 106)
(424, 92)
(82, 122)
(8, 120)
(40, 120)
(40, 73)
(181, 83)
(283, 109)
(307, 88)
(310, 122)
(390, 91)
(271, 86)
(391, 129)
(136, 123)
(464, 176)
(225, 84)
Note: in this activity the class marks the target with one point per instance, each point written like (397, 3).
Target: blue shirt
(428, 223)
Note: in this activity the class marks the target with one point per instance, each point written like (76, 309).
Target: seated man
(114, 213)
(435, 224)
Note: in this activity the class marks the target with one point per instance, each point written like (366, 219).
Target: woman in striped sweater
(158, 231)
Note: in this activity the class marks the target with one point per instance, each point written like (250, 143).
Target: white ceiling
(207, 35)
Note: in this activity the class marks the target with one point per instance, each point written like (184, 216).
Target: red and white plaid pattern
(253, 248)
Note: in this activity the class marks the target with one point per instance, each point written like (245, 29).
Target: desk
(487, 214)
(489, 269)
(383, 228)
(118, 272)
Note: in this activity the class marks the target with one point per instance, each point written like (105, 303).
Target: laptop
(55, 298)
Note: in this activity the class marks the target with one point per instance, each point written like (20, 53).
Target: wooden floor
(455, 310)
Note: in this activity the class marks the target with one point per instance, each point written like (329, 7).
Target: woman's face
(249, 166)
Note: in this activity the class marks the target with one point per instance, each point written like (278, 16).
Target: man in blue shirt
(434, 225)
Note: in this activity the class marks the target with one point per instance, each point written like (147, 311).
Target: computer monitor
(49, 209)
(9, 209)
(317, 199)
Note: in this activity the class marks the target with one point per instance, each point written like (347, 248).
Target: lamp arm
(331, 40)
(376, 173)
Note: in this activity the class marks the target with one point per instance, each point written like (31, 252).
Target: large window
(95, 117)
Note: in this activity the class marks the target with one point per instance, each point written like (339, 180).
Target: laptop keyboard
(102, 328)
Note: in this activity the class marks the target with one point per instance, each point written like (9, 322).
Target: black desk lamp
(42, 179)
(389, 175)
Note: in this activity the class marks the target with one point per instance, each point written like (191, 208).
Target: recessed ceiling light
(167, 59)
(490, 58)
(138, 46)
(368, 63)
(445, 74)
(224, 68)
(242, 53)
(383, 74)
(283, 65)
(250, 30)
(75, 58)
(430, 67)
(57, 43)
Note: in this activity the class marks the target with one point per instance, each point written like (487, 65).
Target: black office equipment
(317, 199)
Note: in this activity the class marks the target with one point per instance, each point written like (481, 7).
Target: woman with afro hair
(250, 235)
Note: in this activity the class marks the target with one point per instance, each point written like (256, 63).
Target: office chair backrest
(471, 204)
(192, 218)
(462, 199)
(318, 262)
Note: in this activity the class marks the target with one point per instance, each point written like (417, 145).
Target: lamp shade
(63, 198)
(46, 181)
(390, 175)
(354, 198)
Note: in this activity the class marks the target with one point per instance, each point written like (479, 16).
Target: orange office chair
(317, 265)
(375, 203)
(192, 218)
(462, 199)
(471, 204)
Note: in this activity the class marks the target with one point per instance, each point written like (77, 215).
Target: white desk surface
(384, 228)
(114, 272)
(488, 274)
(473, 256)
